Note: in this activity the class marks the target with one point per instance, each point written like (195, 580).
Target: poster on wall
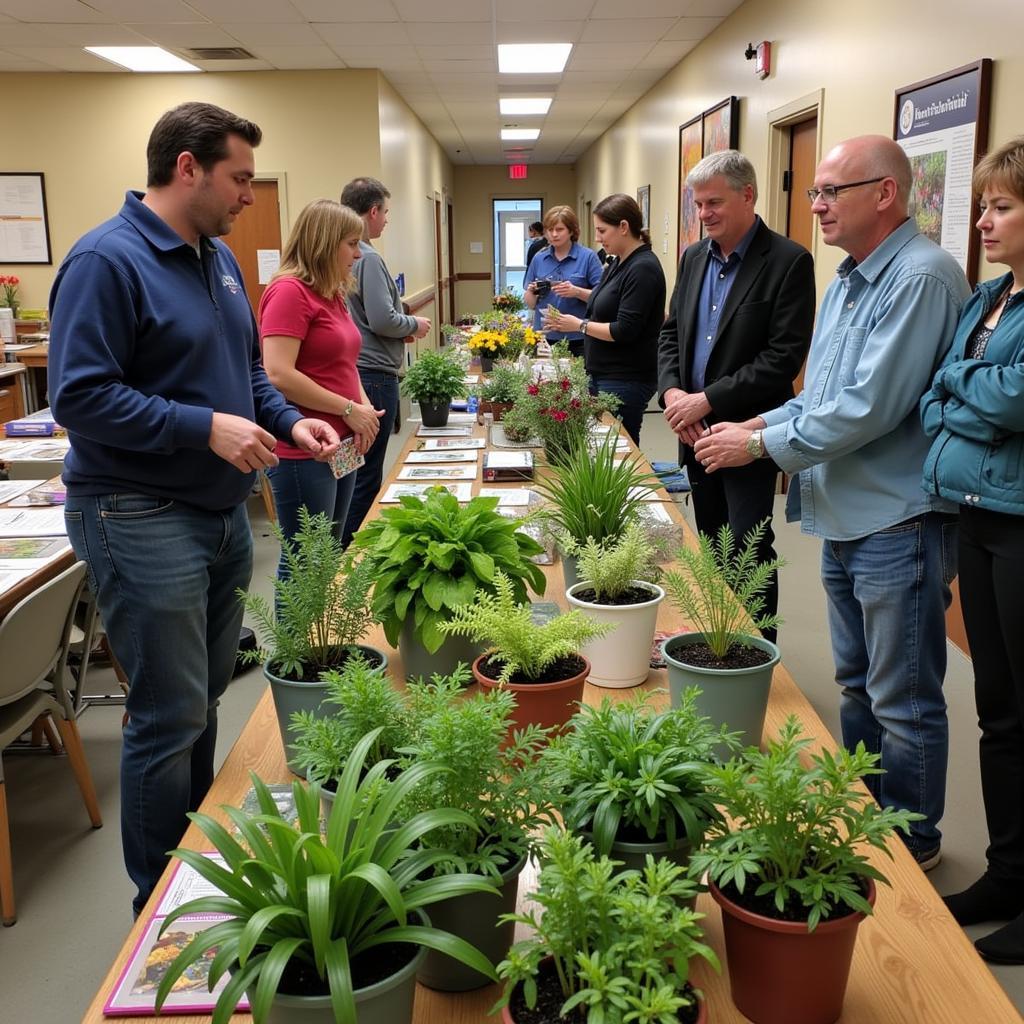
(942, 125)
(24, 230)
(643, 199)
(715, 129)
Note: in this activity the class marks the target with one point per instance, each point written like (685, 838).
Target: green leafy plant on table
(621, 944)
(505, 384)
(321, 607)
(794, 828)
(300, 899)
(612, 566)
(435, 378)
(720, 588)
(431, 555)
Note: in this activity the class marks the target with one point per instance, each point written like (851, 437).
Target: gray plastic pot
(417, 661)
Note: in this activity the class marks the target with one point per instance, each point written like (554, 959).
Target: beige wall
(475, 188)
(88, 132)
(858, 56)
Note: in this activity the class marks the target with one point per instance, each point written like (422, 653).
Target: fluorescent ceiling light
(525, 105)
(142, 58)
(532, 58)
(520, 133)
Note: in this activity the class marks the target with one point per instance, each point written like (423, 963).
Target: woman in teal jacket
(975, 413)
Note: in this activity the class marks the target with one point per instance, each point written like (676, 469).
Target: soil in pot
(339, 659)
(700, 655)
(631, 595)
(557, 672)
(301, 979)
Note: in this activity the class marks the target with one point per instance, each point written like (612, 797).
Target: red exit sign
(517, 172)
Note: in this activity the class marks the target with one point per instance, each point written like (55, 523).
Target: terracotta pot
(498, 410)
(779, 972)
(547, 704)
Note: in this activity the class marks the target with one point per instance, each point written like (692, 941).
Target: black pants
(991, 575)
(742, 497)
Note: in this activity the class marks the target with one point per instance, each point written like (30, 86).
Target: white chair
(33, 654)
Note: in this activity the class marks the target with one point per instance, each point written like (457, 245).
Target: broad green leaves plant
(322, 603)
(435, 377)
(795, 826)
(611, 566)
(503, 622)
(626, 765)
(431, 555)
(621, 943)
(720, 588)
(294, 893)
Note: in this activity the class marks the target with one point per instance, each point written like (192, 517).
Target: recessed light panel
(142, 58)
(532, 58)
(524, 105)
(520, 133)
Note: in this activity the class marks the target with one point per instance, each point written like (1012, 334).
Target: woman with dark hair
(624, 312)
(561, 276)
(975, 413)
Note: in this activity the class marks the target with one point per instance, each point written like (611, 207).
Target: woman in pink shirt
(310, 347)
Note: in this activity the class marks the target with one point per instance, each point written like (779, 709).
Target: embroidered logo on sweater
(230, 283)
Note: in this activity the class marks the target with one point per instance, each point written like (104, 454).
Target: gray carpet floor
(74, 898)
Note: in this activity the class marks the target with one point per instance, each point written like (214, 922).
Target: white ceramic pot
(622, 657)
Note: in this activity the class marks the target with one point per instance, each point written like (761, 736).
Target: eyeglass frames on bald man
(830, 192)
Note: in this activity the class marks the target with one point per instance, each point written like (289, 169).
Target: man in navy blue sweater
(155, 373)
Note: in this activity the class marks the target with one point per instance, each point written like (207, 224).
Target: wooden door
(257, 227)
(803, 157)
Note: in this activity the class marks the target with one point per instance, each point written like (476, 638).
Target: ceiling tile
(67, 58)
(637, 9)
(273, 33)
(15, 62)
(441, 67)
(376, 56)
(184, 37)
(234, 65)
(296, 58)
(443, 10)
(148, 10)
(332, 10)
(93, 35)
(376, 34)
(666, 55)
(693, 28)
(473, 33)
(66, 11)
(247, 10)
(712, 8)
(540, 11)
(529, 31)
(18, 34)
(456, 53)
(627, 30)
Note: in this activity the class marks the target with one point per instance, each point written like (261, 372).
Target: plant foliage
(505, 383)
(720, 588)
(430, 555)
(627, 766)
(795, 826)
(611, 566)
(320, 605)
(505, 623)
(293, 893)
(621, 943)
(436, 377)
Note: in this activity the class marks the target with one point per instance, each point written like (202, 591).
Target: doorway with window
(512, 218)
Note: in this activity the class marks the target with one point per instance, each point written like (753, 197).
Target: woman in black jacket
(624, 313)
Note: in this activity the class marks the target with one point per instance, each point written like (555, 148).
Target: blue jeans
(635, 395)
(382, 390)
(887, 598)
(164, 575)
(298, 482)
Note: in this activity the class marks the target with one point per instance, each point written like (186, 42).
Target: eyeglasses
(829, 193)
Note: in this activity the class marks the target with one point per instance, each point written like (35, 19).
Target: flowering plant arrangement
(508, 301)
(502, 337)
(9, 291)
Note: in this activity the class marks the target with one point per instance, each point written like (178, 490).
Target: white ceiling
(440, 55)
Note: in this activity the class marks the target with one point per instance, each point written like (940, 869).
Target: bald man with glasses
(855, 439)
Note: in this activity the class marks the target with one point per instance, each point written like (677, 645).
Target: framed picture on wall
(942, 125)
(643, 199)
(715, 129)
(24, 228)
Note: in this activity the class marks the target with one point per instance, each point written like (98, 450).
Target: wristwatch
(348, 408)
(754, 445)
(584, 324)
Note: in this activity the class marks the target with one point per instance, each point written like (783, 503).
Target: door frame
(281, 177)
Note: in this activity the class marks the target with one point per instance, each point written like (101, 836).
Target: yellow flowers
(487, 341)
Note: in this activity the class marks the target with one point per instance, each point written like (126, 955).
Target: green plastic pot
(418, 662)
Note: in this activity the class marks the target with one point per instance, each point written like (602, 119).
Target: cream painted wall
(475, 188)
(858, 56)
(88, 132)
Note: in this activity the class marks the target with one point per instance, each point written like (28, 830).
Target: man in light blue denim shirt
(855, 438)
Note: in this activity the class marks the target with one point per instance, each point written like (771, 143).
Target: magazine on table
(451, 444)
(462, 491)
(441, 456)
(453, 431)
(438, 472)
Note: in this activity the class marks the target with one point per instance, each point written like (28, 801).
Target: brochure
(451, 444)
(441, 456)
(462, 491)
(438, 472)
(454, 431)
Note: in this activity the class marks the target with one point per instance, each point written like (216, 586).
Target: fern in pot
(618, 587)
(432, 382)
(720, 587)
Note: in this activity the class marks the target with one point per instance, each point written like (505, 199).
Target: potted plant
(433, 381)
(634, 779)
(321, 610)
(501, 336)
(617, 588)
(309, 912)
(784, 866)
(608, 947)
(508, 301)
(501, 390)
(591, 494)
(429, 556)
(540, 664)
(502, 787)
(720, 590)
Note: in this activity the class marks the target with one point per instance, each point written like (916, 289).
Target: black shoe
(985, 900)
(1005, 945)
(927, 859)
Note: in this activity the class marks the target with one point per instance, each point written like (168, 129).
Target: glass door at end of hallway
(512, 219)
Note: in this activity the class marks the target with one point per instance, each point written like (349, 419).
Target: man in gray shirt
(377, 309)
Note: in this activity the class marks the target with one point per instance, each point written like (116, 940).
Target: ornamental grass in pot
(634, 779)
(314, 917)
(540, 664)
(431, 555)
(320, 613)
(719, 587)
(785, 867)
(608, 946)
(432, 382)
(617, 586)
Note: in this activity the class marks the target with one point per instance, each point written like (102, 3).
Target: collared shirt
(719, 275)
(581, 267)
(853, 433)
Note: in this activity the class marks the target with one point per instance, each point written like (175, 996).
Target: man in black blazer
(738, 330)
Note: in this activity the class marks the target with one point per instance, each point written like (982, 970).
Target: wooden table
(35, 358)
(912, 965)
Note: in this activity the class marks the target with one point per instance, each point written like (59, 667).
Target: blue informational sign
(934, 108)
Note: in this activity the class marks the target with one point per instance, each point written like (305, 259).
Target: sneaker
(927, 859)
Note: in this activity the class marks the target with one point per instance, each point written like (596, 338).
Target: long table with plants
(910, 963)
